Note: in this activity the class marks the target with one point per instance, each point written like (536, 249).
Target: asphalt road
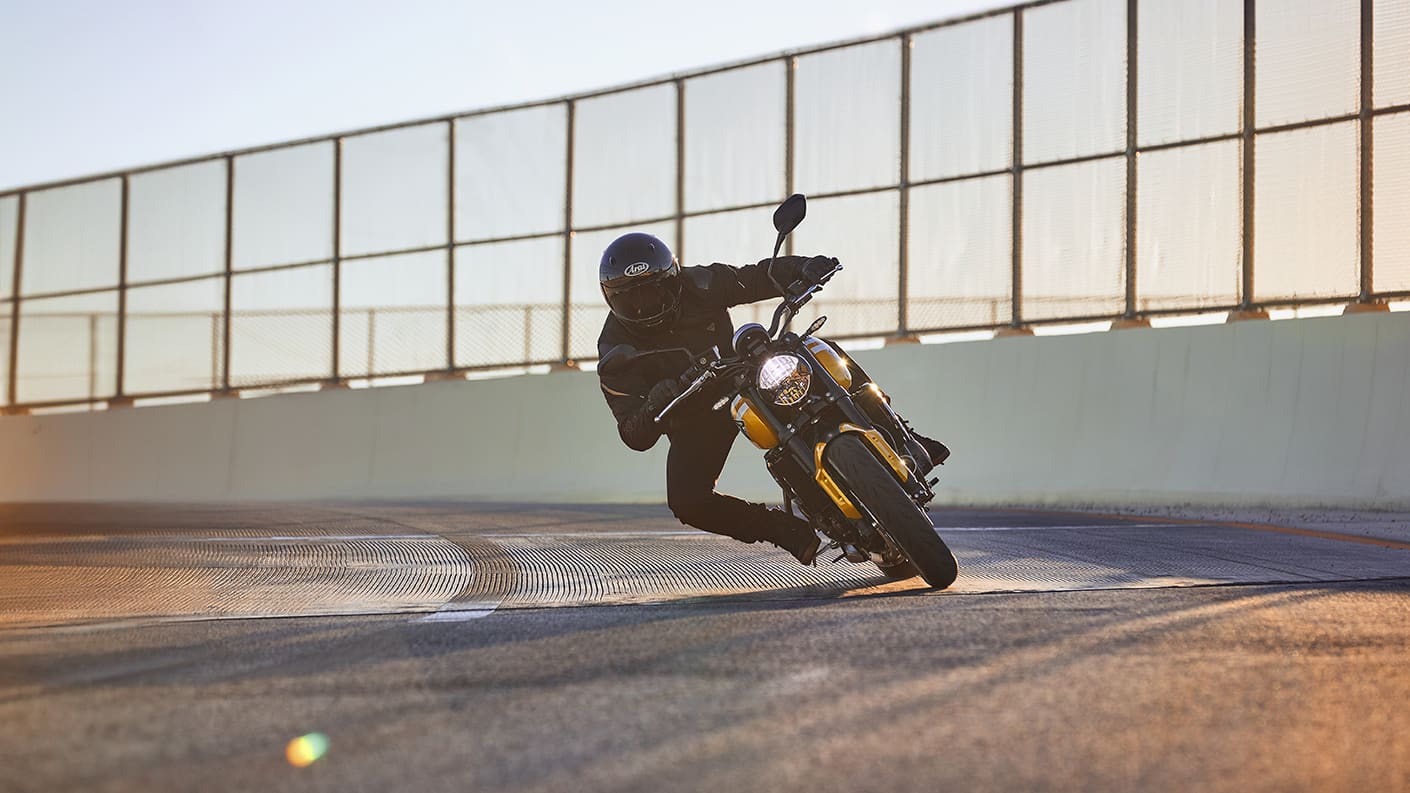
(472, 647)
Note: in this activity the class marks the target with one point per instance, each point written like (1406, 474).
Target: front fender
(878, 444)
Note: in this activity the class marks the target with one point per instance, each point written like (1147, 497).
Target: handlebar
(790, 306)
(792, 303)
(705, 377)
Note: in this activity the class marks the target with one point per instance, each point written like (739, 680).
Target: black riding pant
(699, 447)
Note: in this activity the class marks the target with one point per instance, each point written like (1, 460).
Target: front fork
(827, 505)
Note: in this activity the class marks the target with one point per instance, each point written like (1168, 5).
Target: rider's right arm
(635, 423)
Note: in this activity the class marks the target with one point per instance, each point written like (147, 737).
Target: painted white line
(646, 534)
(149, 538)
(1066, 528)
(314, 538)
(703, 534)
(462, 612)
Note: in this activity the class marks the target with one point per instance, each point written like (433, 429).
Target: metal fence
(1052, 162)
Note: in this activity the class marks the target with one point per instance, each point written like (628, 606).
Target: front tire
(899, 572)
(873, 485)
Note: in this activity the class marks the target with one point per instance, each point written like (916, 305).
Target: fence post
(12, 385)
(215, 350)
(1130, 317)
(120, 399)
(903, 332)
(229, 267)
(1366, 300)
(92, 359)
(680, 169)
(450, 245)
(1015, 326)
(1246, 308)
(790, 80)
(335, 377)
(567, 317)
(371, 342)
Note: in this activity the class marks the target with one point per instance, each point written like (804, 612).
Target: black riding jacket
(704, 322)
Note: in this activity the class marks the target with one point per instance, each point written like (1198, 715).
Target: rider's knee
(690, 507)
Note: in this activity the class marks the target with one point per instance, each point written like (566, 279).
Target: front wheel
(899, 571)
(875, 487)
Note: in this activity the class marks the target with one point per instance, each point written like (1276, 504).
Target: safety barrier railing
(1064, 161)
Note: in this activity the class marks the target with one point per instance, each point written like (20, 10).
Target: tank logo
(639, 268)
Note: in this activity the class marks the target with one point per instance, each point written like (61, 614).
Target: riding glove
(639, 429)
(816, 269)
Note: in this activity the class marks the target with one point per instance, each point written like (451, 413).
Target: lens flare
(305, 750)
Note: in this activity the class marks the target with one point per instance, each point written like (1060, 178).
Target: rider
(658, 305)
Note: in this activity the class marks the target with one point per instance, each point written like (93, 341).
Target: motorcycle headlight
(784, 379)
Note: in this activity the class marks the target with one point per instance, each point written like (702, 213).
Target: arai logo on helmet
(639, 268)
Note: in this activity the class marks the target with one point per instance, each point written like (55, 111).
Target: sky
(89, 86)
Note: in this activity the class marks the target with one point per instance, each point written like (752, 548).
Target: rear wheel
(872, 484)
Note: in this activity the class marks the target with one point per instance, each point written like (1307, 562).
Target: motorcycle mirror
(816, 326)
(790, 213)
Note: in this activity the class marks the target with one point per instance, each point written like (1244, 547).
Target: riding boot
(792, 534)
(921, 453)
(935, 450)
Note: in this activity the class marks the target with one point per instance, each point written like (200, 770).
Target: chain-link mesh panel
(510, 175)
(68, 348)
(962, 99)
(734, 137)
(176, 222)
(394, 311)
(392, 340)
(72, 237)
(508, 335)
(624, 161)
(509, 302)
(588, 310)
(863, 233)
(175, 337)
(1073, 232)
(843, 316)
(283, 210)
(741, 237)
(1074, 79)
(395, 192)
(1391, 184)
(1305, 219)
(1188, 216)
(1390, 45)
(1308, 59)
(961, 254)
(510, 172)
(7, 311)
(281, 326)
(1190, 75)
(9, 226)
(847, 118)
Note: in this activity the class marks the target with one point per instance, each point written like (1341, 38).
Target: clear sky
(93, 85)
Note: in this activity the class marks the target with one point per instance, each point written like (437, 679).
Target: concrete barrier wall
(1296, 412)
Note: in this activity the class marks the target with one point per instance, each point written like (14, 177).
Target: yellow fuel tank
(755, 428)
(835, 364)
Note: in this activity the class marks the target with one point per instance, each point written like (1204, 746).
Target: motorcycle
(838, 453)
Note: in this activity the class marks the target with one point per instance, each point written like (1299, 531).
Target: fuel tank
(755, 428)
(835, 364)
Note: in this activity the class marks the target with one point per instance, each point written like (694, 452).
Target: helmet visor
(645, 301)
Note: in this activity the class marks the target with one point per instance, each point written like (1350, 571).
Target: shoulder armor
(698, 278)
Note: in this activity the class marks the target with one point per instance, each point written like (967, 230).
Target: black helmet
(641, 280)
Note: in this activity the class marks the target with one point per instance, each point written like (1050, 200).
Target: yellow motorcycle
(851, 472)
